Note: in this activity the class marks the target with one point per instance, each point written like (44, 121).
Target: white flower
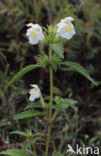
(66, 28)
(34, 33)
(34, 93)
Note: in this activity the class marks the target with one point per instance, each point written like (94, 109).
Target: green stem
(33, 146)
(34, 149)
(51, 102)
(42, 100)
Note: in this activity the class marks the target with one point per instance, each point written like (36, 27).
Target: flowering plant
(50, 36)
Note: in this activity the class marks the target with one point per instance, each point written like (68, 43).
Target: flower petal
(31, 98)
(30, 25)
(34, 85)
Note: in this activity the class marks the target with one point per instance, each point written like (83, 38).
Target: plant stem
(42, 100)
(35, 154)
(51, 102)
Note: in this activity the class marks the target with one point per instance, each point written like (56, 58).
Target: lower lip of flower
(68, 28)
(33, 34)
(31, 93)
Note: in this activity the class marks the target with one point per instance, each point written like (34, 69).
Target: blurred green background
(16, 52)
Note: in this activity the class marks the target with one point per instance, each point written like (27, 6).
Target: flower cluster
(65, 29)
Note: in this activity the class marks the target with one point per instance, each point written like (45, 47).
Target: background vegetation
(83, 127)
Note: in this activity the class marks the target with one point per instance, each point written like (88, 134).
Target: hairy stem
(51, 102)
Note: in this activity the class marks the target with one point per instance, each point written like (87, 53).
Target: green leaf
(57, 91)
(15, 152)
(55, 67)
(37, 134)
(59, 107)
(26, 145)
(58, 48)
(39, 139)
(69, 102)
(79, 69)
(34, 105)
(29, 113)
(63, 104)
(20, 74)
(93, 139)
(19, 133)
(58, 154)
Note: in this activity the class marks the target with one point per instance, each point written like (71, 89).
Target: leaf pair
(58, 48)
